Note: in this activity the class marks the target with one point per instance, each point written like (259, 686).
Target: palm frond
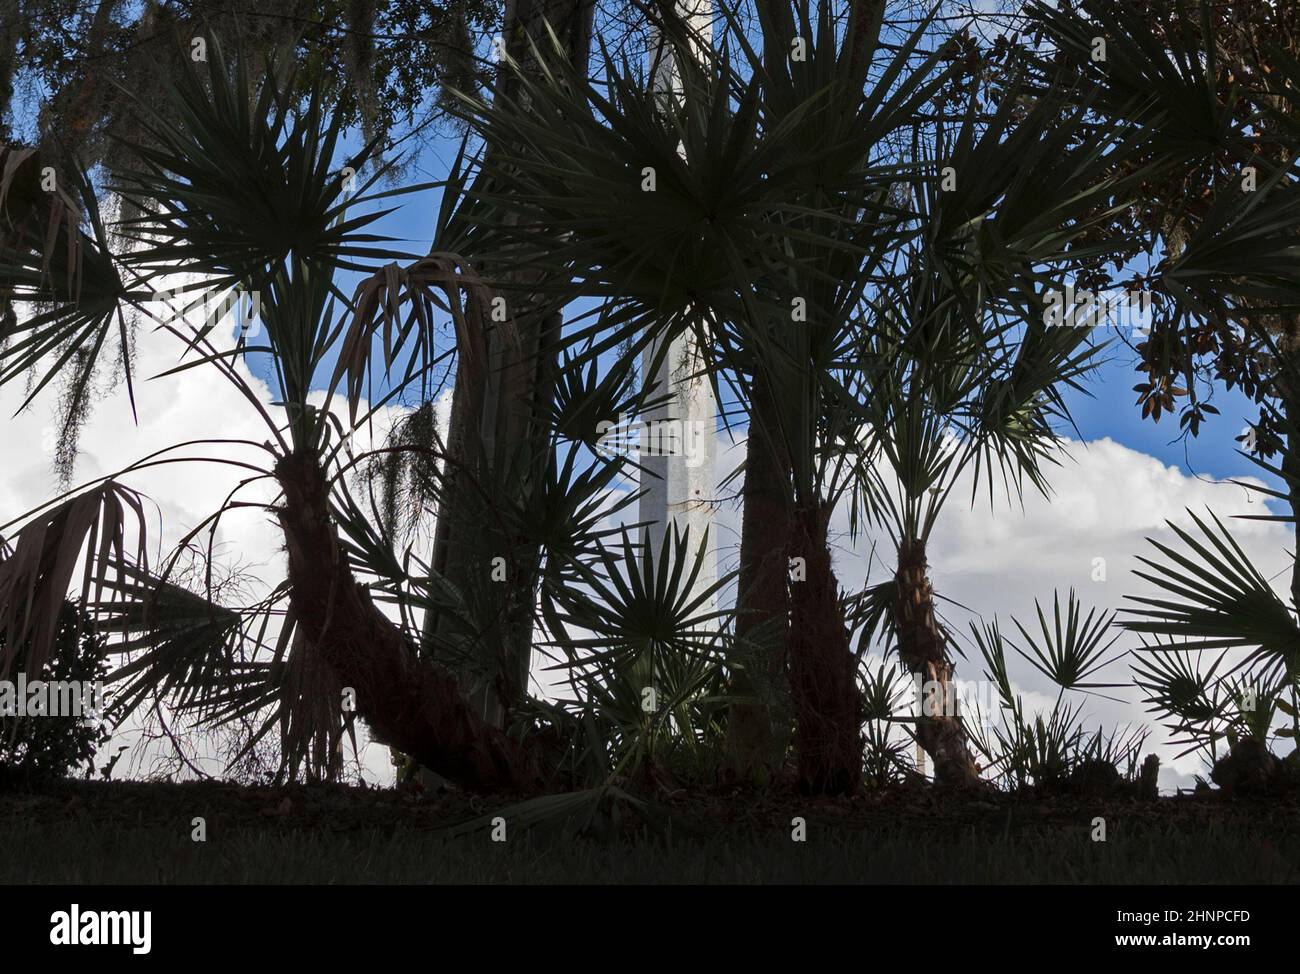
(101, 530)
(1072, 649)
(58, 266)
(1215, 598)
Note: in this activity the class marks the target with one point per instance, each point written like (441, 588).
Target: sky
(1121, 479)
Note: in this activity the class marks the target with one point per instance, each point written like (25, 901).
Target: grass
(91, 833)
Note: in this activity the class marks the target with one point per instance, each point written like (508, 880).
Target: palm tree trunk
(412, 704)
(921, 647)
(757, 729)
(823, 684)
(495, 439)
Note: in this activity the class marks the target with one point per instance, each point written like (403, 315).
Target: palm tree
(246, 191)
(784, 192)
(972, 370)
(498, 442)
(709, 250)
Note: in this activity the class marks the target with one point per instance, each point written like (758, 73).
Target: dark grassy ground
(125, 832)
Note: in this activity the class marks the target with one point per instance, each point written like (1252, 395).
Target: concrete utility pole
(680, 487)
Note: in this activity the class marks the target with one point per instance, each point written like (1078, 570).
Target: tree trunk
(921, 647)
(408, 703)
(757, 731)
(823, 684)
(495, 439)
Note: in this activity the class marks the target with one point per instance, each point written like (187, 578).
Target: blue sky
(1110, 411)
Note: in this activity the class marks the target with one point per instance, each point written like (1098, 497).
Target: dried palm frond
(100, 530)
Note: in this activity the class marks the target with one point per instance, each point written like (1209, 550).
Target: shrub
(47, 746)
